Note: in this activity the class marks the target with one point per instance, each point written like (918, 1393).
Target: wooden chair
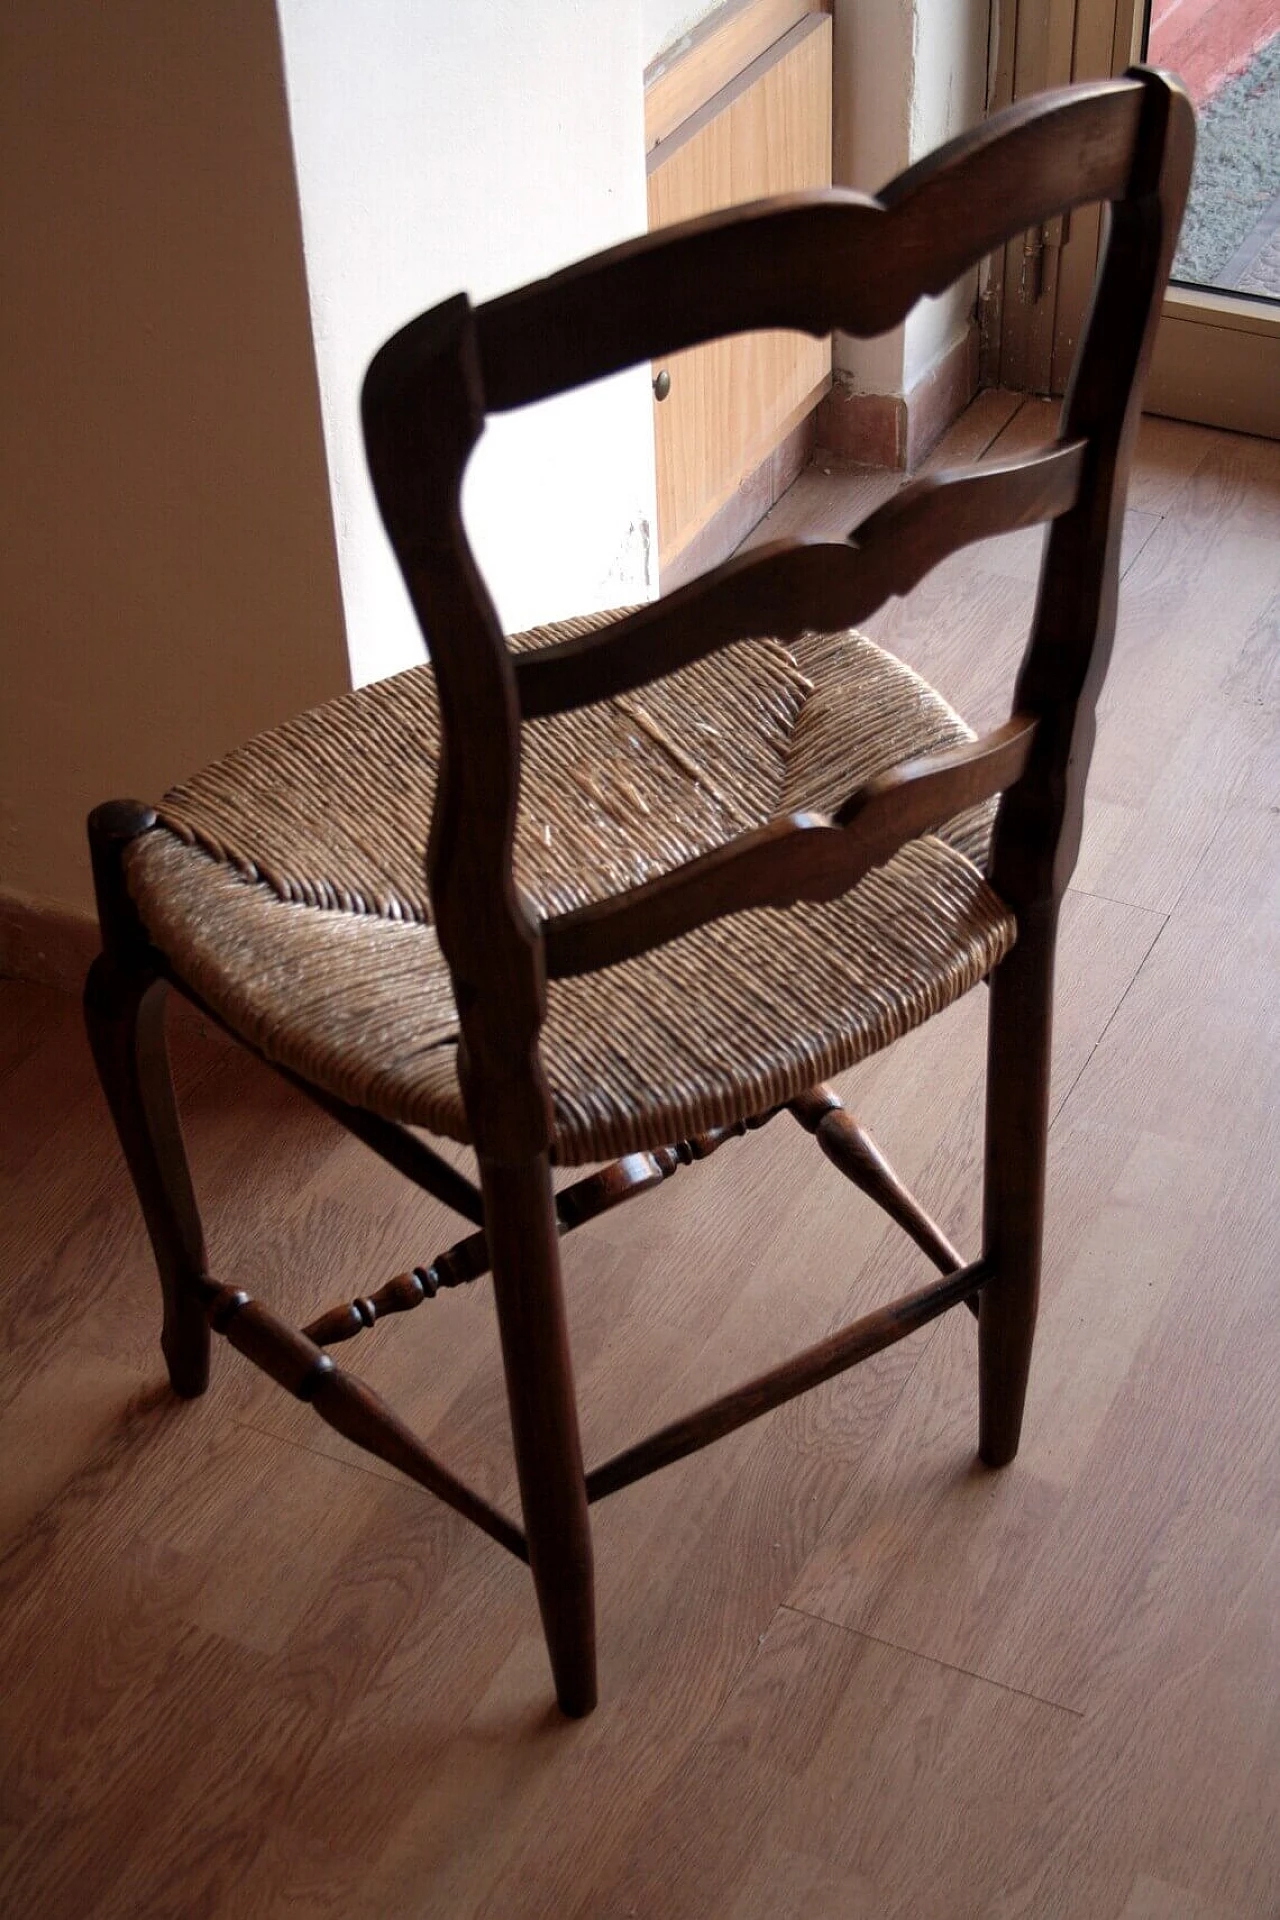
(643, 925)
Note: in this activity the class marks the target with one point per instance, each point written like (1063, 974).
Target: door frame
(1217, 355)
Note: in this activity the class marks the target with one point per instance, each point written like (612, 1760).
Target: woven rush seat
(288, 888)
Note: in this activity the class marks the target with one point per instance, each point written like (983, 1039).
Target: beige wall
(169, 577)
(948, 95)
(663, 22)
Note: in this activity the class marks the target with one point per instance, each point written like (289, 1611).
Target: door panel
(731, 403)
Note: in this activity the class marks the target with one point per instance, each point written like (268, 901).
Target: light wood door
(732, 402)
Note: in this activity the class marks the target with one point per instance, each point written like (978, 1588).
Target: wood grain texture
(853, 1344)
(849, 1146)
(245, 1675)
(124, 1007)
(732, 401)
(45, 941)
(726, 530)
(686, 76)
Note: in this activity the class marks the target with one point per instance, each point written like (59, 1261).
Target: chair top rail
(791, 586)
(800, 856)
(812, 261)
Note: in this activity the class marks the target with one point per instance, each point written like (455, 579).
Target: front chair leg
(124, 1004)
(1019, 1038)
(125, 1017)
(520, 1224)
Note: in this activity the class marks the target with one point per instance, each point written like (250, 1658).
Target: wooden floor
(845, 1672)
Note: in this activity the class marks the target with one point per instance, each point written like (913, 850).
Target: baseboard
(743, 511)
(898, 430)
(52, 945)
(941, 395)
(45, 941)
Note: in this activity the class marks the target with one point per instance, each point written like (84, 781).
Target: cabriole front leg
(124, 1003)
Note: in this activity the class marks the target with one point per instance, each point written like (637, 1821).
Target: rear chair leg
(521, 1229)
(1019, 1038)
(124, 1013)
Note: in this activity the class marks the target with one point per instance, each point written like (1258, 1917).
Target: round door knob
(662, 385)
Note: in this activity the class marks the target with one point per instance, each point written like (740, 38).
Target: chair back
(814, 262)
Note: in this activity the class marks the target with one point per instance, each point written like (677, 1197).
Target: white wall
(948, 94)
(663, 22)
(442, 147)
(908, 75)
(871, 111)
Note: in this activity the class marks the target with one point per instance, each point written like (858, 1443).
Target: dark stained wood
(468, 1259)
(596, 1193)
(813, 261)
(575, 1205)
(778, 591)
(401, 1295)
(124, 1006)
(285, 1355)
(423, 410)
(544, 1419)
(800, 856)
(355, 1411)
(124, 1014)
(857, 1342)
(1019, 1041)
(850, 1147)
(348, 1405)
(214, 1627)
(1040, 819)
(1038, 829)
(700, 1146)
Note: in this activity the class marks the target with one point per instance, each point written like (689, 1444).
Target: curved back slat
(803, 856)
(779, 591)
(812, 261)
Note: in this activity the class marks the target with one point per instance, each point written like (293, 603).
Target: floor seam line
(1157, 521)
(949, 1666)
(1114, 900)
(1107, 1023)
(391, 1479)
(983, 451)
